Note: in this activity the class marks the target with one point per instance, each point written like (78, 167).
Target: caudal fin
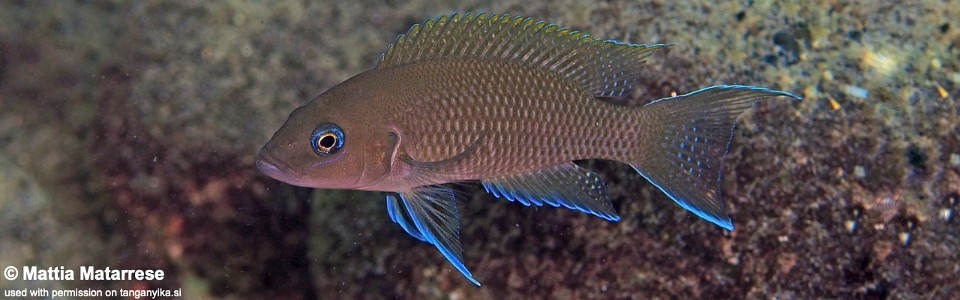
(684, 157)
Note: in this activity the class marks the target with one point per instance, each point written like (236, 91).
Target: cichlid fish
(510, 102)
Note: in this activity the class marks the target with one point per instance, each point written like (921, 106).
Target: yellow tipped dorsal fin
(603, 67)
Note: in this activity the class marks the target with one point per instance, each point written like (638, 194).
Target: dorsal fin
(602, 67)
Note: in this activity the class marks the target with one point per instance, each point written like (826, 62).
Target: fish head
(332, 142)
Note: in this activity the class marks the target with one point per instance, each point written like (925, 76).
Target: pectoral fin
(566, 185)
(432, 210)
(454, 164)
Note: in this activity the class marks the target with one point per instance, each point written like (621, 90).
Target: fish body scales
(523, 118)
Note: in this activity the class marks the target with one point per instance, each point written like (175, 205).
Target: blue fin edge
(726, 223)
(397, 216)
(430, 238)
(553, 200)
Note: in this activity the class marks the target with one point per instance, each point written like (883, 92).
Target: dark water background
(128, 134)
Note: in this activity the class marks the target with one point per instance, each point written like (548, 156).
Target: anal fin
(566, 185)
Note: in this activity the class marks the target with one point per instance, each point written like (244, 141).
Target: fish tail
(683, 154)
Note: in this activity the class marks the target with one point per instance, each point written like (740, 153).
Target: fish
(514, 103)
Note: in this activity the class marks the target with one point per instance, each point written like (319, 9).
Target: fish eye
(326, 139)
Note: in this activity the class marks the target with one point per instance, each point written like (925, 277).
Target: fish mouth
(269, 165)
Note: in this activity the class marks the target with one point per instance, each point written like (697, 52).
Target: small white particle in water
(878, 227)
(855, 91)
(904, 237)
(154, 159)
(859, 171)
(784, 239)
(945, 214)
(851, 225)
(955, 159)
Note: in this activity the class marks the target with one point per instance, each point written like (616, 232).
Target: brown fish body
(509, 102)
(526, 120)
